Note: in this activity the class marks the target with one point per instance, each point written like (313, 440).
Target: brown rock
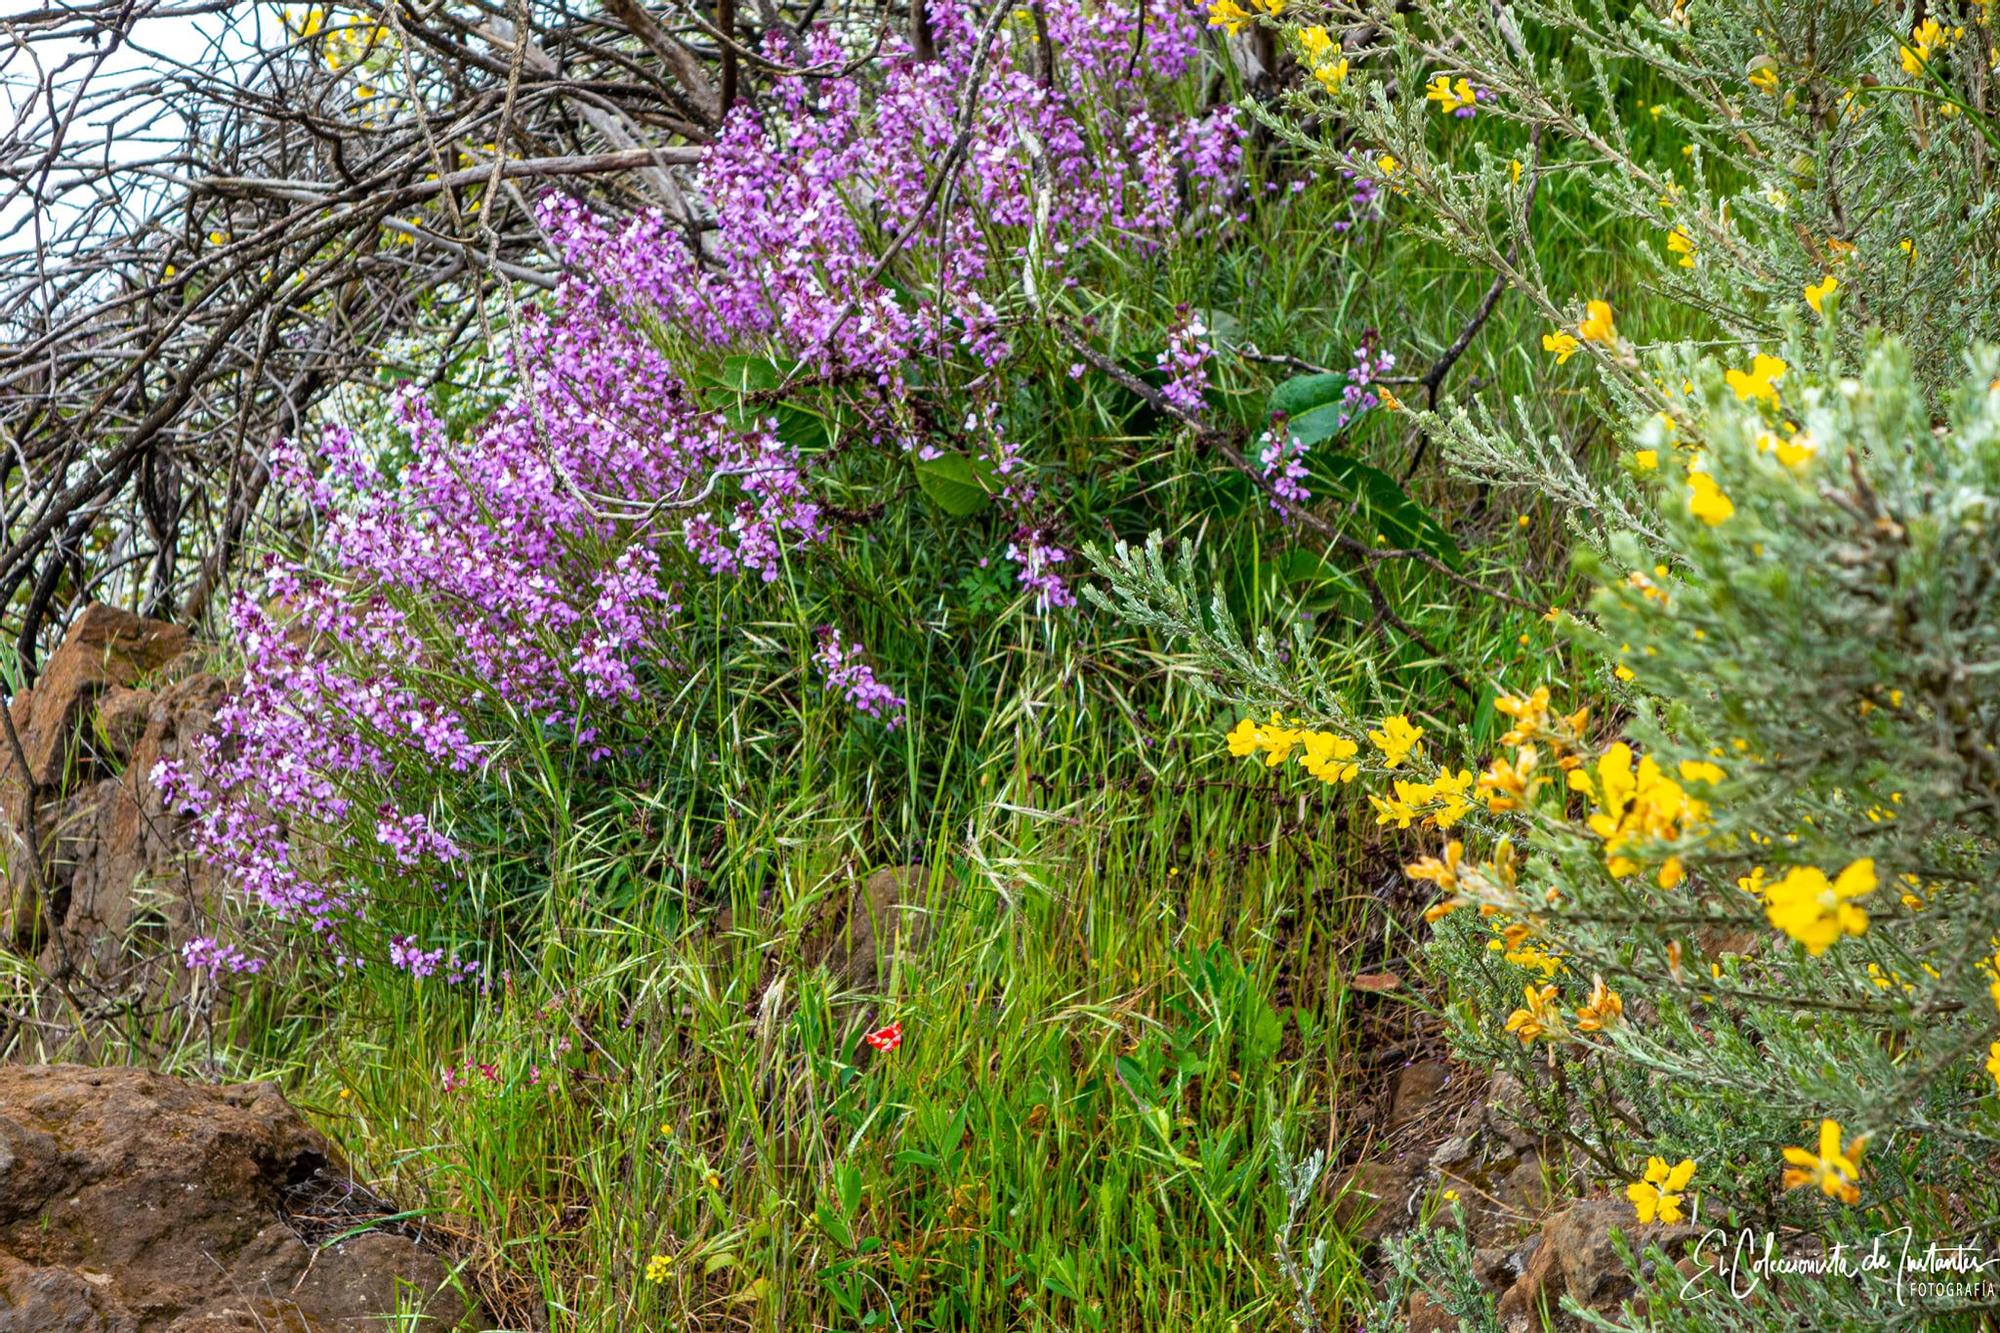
(1523, 1191)
(114, 879)
(1427, 1316)
(1417, 1090)
(104, 647)
(1521, 1303)
(1575, 1258)
(133, 1202)
(122, 714)
(858, 939)
(1505, 1100)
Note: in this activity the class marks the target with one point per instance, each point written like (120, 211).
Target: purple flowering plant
(710, 429)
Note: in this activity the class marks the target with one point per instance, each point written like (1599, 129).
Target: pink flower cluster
(842, 668)
(1281, 454)
(533, 567)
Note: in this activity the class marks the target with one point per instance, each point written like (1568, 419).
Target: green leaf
(956, 484)
(847, 1181)
(1313, 405)
(834, 1225)
(1375, 495)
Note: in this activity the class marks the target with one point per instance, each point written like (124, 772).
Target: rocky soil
(132, 1202)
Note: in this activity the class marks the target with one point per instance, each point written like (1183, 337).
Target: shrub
(1731, 926)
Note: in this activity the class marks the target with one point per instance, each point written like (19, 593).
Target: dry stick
(1434, 377)
(725, 21)
(1368, 555)
(673, 54)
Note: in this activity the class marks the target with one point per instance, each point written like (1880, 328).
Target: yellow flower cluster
(1658, 1195)
(1440, 804)
(1708, 501)
(1325, 755)
(1454, 875)
(1682, 244)
(1640, 804)
(1597, 326)
(1397, 740)
(1318, 49)
(1230, 16)
(1814, 910)
(1835, 1169)
(1601, 1010)
(1930, 37)
(1795, 451)
(1760, 381)
(1450, 96)
(1511, 784)
(1538, 1015)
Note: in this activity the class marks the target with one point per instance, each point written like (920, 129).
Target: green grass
(1114, 997)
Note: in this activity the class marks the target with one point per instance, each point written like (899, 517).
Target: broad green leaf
(1376, 496)
(955, 483)
(1313, 405)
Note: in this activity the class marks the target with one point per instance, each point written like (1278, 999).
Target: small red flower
(886, 1039)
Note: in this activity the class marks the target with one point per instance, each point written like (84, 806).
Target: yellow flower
(1537, 1016)
(1387, 164)
(1765, 78)
(1508, 786)
(1331, 75)
(1448, 797)
(1327, 757)
(1706, 500)
(1601, 1010)
(1390, 403)
(1597, 325)
(1816, 911)
(1443, 873)
(1394, 810)
(1562, 344)
(1760, 381)
(1647, 459)
(1275, 739)
(1228, 15)
(1636, 804)
(1530, 714)
(1836, 1170)
(657, 1268)
(1929, 37)
(1397, 740)
(1514, 170)
(1316, 43)
(1820, 290)
(1682, 244)
(1659, 1194)
(1700, 770)
(1449, 96)
(1993, 1062)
